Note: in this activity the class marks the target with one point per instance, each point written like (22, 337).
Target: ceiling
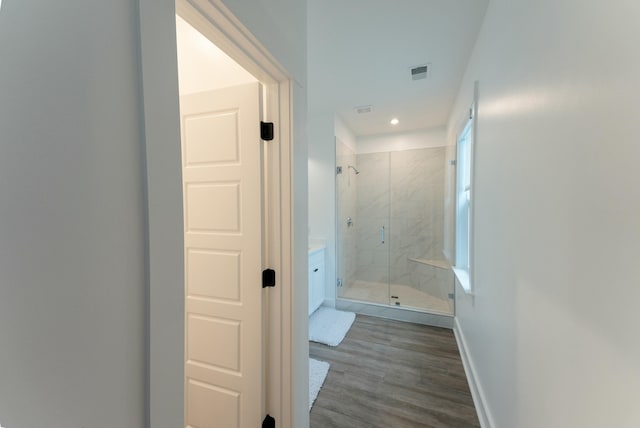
(361, 52)
(202, 66)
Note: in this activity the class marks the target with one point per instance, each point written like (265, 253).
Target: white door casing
(223, 218)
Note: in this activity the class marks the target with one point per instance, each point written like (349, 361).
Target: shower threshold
(398, 313)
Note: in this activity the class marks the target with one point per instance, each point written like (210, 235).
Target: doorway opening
(223, 187)
(274, 218)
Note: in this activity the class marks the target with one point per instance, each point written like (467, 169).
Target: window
(464, 168)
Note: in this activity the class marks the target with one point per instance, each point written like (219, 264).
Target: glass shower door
(363, 225)
(372, 229)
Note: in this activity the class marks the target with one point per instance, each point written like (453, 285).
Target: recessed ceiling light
(394, 121)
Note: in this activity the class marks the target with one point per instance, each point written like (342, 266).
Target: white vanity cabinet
(316, 278)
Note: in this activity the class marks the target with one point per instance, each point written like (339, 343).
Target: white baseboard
(479, 399)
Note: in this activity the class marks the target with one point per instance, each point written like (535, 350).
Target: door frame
(165, 272)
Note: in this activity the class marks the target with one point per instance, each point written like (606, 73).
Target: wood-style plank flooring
(391, 374)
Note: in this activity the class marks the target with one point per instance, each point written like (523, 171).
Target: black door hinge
(269, 422)
(268, 278)
(266, 131)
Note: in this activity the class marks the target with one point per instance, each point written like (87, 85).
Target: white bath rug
(328, 326)
(318, 371)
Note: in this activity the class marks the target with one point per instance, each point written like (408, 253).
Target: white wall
(164, 200)
(408, 140)
(345, 134)
(300, 379)
(553, 328)
(321, 192)
(72, 218)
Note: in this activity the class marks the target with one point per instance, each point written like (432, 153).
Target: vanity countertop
(315, 248)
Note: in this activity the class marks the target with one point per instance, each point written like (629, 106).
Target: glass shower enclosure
(390, 231)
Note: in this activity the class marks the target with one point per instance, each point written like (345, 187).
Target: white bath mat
(328, 326)
(317, 374)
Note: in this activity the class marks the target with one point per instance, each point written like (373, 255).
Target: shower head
(354, 168)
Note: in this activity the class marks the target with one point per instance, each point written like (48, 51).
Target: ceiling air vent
(363, 109)
(419, 72)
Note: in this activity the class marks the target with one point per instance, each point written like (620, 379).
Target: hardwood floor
(391, 374)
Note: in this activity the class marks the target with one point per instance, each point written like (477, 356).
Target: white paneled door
(222, 179)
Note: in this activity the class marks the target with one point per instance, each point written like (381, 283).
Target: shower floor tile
(409, 297)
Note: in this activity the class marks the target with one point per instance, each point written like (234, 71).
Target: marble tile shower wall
(417, 210)
(347, 191)
(403, 191)
(372, 256)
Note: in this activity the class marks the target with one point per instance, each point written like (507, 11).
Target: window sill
(462, 278)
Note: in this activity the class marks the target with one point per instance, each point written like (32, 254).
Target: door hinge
(268, 278)
(266, 131)
(269, 422)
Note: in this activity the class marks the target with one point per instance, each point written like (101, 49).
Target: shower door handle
(382, 234)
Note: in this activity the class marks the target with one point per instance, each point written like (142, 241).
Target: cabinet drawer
(316, 280)
(316, 260)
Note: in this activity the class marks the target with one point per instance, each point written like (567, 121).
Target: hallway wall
(72, 232)
(552, 329)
